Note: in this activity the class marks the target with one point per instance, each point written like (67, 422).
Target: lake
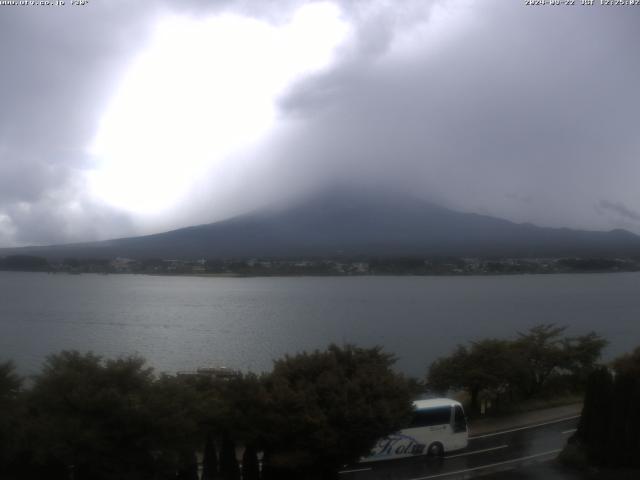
(181, 323)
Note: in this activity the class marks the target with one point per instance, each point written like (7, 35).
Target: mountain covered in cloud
(342, 222)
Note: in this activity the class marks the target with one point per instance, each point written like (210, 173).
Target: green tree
(487, 365)
(628, 364)
(176, 433)
(520, 368)
(230, 411)
(328, 408)
(90, 418)
(27, 263)
(582, 355)
(541, 350)
(11, 416)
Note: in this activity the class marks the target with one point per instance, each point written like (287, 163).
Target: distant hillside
(341, 223)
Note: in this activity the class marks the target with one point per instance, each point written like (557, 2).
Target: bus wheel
(435, 450)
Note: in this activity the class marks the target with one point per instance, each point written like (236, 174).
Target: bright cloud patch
(203, 90)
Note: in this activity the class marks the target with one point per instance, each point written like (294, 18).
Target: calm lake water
(180, 323)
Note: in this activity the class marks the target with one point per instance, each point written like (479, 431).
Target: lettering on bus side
(398, 445)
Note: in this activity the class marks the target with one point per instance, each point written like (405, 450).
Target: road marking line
(477, 451)
(524, 428)
(484, 450)
(566, 432)
(354, 471)
(457, 472)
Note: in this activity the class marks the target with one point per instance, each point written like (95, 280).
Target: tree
(10, 383)
(91, 417)
(625, 421)
(545, 353)
(542, 352)
(250, 465)
(188, 468)
(628, 364)
(581, 356)
(595, 422)
(209, 459)
(609, 428)
(27, 263)
(518, 368)
(488, 365)
(229, 468)
(11, 416)
(230, 410)
(327, 408)
(175, 434)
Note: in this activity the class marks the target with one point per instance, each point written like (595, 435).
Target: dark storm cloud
(536, 102)
(478, 105)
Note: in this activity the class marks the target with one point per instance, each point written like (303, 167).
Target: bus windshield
(431, 416)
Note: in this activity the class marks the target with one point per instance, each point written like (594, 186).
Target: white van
(438, 426)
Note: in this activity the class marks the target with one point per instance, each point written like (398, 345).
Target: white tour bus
(438, 426)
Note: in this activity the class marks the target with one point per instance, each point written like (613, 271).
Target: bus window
(459, 420)
(431, 416)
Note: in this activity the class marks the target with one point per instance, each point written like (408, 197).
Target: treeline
(24, 263)
(609, 431)
(359, 265)
(500, 373)
(84, 417)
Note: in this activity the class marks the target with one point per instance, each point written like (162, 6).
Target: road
(485, 453)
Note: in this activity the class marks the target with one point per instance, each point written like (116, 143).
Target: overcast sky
(119, 118)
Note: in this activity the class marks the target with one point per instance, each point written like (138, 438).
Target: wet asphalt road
(485, 453)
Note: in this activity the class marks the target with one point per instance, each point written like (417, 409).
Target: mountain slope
(345, 223)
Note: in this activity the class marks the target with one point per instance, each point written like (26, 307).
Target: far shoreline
(328, 275)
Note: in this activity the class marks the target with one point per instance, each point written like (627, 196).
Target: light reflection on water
(185, 322)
